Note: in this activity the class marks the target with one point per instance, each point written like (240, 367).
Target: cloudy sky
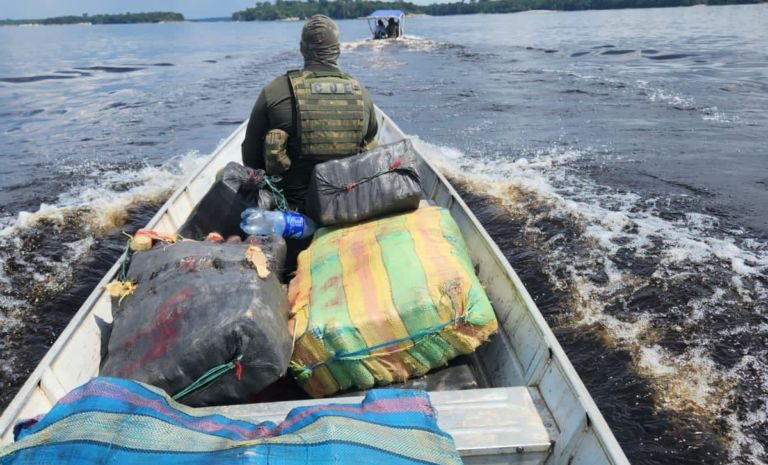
(191, 9)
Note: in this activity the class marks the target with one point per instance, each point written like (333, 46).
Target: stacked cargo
(387, 293)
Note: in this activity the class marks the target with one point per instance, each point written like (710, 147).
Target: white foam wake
(104, 201)
(407, 42)
(85, 213)
(611, 225)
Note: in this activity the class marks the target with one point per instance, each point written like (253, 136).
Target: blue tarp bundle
(115, 421)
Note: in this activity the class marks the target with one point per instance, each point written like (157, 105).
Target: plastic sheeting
(379, 182)
(198, 306)
(237, 187)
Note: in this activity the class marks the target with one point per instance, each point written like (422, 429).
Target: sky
(191, 9)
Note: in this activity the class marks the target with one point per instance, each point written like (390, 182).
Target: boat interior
(516, 400)
(482, 399)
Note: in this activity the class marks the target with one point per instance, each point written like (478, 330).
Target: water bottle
(291, 225)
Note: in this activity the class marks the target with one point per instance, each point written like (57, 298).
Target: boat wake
(658, 93)
(664, 287)
(367, 55)
(407, 42)
(48, 254)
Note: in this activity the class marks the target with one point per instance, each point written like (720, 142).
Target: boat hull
(524, 356)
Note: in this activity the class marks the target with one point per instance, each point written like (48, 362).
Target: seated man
(393, 29)
(381, 31)
(309, 116)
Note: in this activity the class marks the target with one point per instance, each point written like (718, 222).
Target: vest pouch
(276, 157)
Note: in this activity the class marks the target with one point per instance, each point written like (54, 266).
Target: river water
(619, 159)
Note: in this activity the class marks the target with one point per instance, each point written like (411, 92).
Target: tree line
(123, 18)
(347, 9)
(339, 9)
(512, 6)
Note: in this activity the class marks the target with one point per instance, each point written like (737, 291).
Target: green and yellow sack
(384, 301)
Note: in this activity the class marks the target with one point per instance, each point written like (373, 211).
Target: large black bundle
(381, 181)
(201, 306)
(236, 188)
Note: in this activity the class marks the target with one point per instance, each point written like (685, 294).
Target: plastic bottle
(291, 225)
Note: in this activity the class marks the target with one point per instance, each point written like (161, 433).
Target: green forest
(339, 9)
(347, 9)
(124, 18)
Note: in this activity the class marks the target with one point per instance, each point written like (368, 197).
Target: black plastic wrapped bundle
(237, 187)
(199, 306)
(379, 182)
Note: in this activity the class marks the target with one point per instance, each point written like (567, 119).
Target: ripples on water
(613, 156)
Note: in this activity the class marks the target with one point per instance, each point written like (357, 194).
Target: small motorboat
(387, 24)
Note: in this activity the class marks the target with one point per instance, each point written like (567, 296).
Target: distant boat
(386, 16)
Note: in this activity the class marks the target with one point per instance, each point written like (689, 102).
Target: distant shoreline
(283, 9)
(85, 19)
(287, 10)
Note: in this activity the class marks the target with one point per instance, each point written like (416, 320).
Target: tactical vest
(330, 114)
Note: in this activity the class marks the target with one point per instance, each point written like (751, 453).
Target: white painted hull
(536, 409)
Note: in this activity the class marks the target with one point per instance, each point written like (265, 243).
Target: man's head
(320, 41)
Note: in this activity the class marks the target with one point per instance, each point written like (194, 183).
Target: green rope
(306, 371)
(416, 338)
(208, 377)
(282, 204)
(125, 261)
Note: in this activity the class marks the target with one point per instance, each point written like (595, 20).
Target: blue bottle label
(294, 225)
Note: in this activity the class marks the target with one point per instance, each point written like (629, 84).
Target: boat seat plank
(489, 426)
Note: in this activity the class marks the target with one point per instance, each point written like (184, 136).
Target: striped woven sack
(383, 301)
(122, 422)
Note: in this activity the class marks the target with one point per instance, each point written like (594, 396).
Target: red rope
(238, 370)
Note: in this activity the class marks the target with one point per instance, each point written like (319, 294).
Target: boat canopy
(386, 15)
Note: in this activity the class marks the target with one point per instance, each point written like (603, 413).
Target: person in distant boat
(381, 31)
(393, 29)
(309, 116)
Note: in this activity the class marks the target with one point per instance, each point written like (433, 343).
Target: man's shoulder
(277, 88)
(278, 82)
